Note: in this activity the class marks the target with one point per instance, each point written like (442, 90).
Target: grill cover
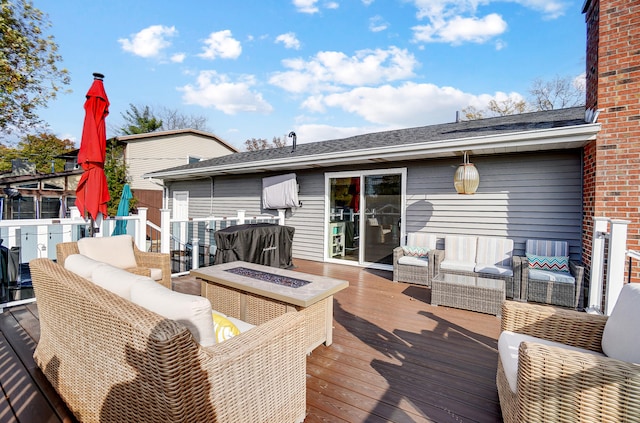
(261, 243)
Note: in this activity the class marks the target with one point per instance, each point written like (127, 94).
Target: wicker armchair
(418, 270)
(559, 384)
(144, 260)
(554, 292)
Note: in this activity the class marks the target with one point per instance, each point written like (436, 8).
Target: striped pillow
(553, 264)
(415, 251)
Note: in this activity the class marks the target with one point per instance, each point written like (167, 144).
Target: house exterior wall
(156, 153)
(534, 195)
(613, 85)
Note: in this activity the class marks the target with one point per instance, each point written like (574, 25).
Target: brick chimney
(612, 161)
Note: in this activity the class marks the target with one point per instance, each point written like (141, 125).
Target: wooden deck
(394, 358)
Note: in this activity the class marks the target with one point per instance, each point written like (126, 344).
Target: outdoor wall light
(466, 178)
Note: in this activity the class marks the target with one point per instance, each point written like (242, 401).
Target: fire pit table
(256, 293)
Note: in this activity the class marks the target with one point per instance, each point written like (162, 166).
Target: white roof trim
(543, 139)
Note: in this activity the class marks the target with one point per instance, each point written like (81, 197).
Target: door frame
(402, 171)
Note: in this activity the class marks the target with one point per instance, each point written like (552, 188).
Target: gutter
(488, 144)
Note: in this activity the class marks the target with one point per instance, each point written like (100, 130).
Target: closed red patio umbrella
(92, 192)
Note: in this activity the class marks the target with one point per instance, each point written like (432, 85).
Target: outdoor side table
(468, 292)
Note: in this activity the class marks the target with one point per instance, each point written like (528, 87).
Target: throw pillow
(223, 328)
(553, 264)
(415, 251)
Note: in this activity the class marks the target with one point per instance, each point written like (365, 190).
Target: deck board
(394, 357)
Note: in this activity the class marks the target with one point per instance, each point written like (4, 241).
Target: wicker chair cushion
(114, 250)
(116, 280)
(508, 344)
(156, 274)
(545, 275)
(621, 335)
(414, 261)
(81, 265)
(192, 311)
(420, 239)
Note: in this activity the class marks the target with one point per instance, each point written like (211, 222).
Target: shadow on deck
(394, 358)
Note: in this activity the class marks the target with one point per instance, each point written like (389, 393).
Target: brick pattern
(612, 162)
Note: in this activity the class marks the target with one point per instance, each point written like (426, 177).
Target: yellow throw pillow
(224, 329)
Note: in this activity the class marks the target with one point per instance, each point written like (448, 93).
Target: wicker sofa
(155, 265)
(483, 256)
(559, 365)
(114, 361)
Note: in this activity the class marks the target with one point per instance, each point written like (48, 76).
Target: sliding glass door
(364, 216)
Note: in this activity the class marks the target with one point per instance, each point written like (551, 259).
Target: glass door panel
(382, 202)
(344, 218)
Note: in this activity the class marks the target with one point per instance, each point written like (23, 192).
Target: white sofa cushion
(508, 344)
(114, 250)
(494, 270)
(192, 311)
(117, 280)
(461, 266)
(81, 265)
(621, 335)
(414, 261)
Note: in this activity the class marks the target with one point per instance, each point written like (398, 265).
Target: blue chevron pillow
(553, 264)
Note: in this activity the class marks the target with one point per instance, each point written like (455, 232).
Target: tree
(255, 144)
(174, 119)
(139, 121)
(557, 93)
(116, 171)
(29, 72)
(40, 149)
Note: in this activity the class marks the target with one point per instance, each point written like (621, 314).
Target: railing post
(241, 214)
(195, 253)
(615, 264)
(600, 225)
(281, 214)
(165, 230)
(141, 229)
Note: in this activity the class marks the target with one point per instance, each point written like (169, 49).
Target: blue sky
(324, 69)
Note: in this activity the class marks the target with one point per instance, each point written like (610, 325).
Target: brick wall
(612, 162)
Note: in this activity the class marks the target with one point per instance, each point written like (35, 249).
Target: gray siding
(533, 195)
(520, 197)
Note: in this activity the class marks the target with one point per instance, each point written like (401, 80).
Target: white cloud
(410, 104)
(220, 92)
(149, 42)
(316, 132)
(221, 44)
(332, 5)
(329, 70)
(178, 57)
(289, 40)
(377, 24)
(458, 30)
(457, 21)
(367, 2)
(550, 8)
(306, 6)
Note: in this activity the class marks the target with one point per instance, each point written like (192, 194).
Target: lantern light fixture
(466, 178)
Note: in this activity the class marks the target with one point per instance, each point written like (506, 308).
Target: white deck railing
(189, 242)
